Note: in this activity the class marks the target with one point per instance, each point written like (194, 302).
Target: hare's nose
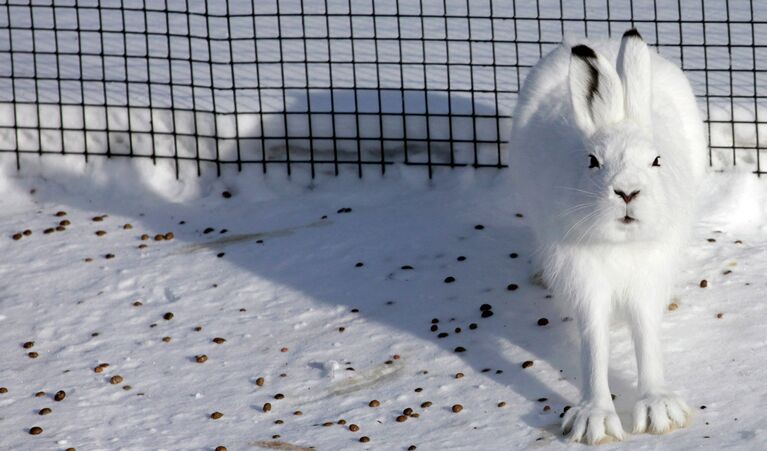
(627, 197)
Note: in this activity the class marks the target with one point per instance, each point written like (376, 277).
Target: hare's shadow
(516, 313)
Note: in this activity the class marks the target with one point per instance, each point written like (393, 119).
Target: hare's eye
(656, 162)
(593, 162)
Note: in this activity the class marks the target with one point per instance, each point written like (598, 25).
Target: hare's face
(620, 193)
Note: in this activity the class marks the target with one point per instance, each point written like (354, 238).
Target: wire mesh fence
(335, 84)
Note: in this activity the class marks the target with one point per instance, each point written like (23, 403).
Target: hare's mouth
(627, 219)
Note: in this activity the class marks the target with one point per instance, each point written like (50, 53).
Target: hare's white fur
(603, 256)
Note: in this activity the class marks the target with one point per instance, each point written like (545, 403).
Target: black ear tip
(583, 51)
(632, 33)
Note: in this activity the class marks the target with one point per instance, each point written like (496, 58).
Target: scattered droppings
(354, 428)
(458, 375)
(512, 287)
(36, 430)
(719, 315)
(226, 195)
(543, 321)
(279, 396)
(60, 213)
(28, 344)
(260, 381)
(359, 265)
(461, 258)
(513, 255)
(527, 364)
(219, 340)
(220, 448)
(116, 379)
(3, 390)
(502, 404)
(168, 316)
(216, 415)
(60, 395)
(202, 358)
(364, 439)
(44, 411)
(267, 407)
(459, 349)
(703, 283)
(473, 326)
(127, 226)
(401, 419)
(479, 227)
(487, 314)
(100, 232)
(673, 306)
(456, 408)
(109, 256)
(33, 355)
(449, 279)
(374, 403)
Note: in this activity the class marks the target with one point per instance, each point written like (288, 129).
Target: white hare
(607, 152)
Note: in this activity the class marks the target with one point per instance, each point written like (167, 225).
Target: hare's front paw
(592, 424)
(660, 412)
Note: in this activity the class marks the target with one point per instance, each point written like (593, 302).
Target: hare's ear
(636, 76)
(595, 90)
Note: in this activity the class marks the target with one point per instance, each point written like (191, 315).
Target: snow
(284, 275)
(299, 286)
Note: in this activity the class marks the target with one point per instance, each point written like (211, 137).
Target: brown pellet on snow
(36, 430)
(116, 379)
(364, 439)
(44, 411)
(216, 415)
(219, 340)
(401, 419)
(60, 395)
(354, 428)
(374, 403)
(527, 364)
(267, 407)
(202, 358)
(456, 408)
(703, 283)
(260, 381)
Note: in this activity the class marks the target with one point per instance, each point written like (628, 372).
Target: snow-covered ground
(328, 290)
